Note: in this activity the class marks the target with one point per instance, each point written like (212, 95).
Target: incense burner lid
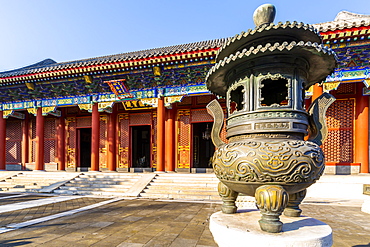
(321, 62)
(276, 45)
(270, 33)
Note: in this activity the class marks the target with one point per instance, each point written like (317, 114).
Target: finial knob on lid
(264, 14)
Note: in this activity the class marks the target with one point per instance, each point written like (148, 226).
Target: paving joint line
(34, 203)
(13, 196)
(16, 226)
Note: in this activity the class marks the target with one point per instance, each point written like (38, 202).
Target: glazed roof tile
(51, 65)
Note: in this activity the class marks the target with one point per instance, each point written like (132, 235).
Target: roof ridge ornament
(264, 15)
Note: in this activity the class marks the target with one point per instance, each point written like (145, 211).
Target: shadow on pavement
(16, 242)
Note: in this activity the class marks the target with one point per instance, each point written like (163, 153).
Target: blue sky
(65, 30)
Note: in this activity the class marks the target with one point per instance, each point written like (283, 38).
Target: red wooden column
(111, 154)
(2, 142)
(39, 159)
(362, 130)
(25, 140)
(170, 141)
(160, 135)
(95, 126)
(317, 91)
(61, 142)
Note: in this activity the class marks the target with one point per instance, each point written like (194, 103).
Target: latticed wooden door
(184, 137)
(338, 146)
(33, 139)
(50, 140)
(103, 141)
(144, 118)
(154, 140)
(124, 141)
(71, 141)
(14, 141)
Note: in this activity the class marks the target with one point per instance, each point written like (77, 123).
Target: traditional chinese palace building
(145, 110)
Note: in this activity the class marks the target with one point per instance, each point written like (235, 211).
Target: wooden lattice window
(346, 88)
(204, 99)
(140, 118)
(185, 101)
(200, 115)
(338, 146)
(83, 122)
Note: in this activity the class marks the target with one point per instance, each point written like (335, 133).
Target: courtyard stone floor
(29, 220)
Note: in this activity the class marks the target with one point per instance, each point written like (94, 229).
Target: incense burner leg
(228, 198)
(271, 200)
(292, 209)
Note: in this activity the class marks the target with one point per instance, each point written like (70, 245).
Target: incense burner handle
(317, 129)
(215, 110)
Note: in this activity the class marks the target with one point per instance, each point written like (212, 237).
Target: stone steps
(188, 182)
(97, 185)
(154, 194)
(182, 196)
(181, 179)
(183, 186)
(93, 193)
(110, 175)
(96, 188)
(103, 181)
(26, 181)
(105, 184)
(208, 187)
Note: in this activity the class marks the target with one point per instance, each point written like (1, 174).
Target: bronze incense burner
(263, 73)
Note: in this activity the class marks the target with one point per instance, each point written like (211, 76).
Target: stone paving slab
(26, 214)
(126, 223)
(24, 198)
(141, 222)
(351, 226)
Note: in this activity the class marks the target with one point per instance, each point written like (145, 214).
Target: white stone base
(242, 229)
(366, 206)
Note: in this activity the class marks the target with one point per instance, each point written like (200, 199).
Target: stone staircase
(183, 186)
(106, 184)
(167, 186)
(33, 181)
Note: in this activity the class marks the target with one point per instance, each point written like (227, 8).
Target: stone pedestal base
(366, 206)
(242, 229)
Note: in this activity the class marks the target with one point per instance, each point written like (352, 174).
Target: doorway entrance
(84, 154)
(140, 141)
(203, 147)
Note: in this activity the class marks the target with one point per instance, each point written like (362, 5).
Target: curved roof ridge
(41, 64)
(146, 53)
(345, 15)
(344, 19)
